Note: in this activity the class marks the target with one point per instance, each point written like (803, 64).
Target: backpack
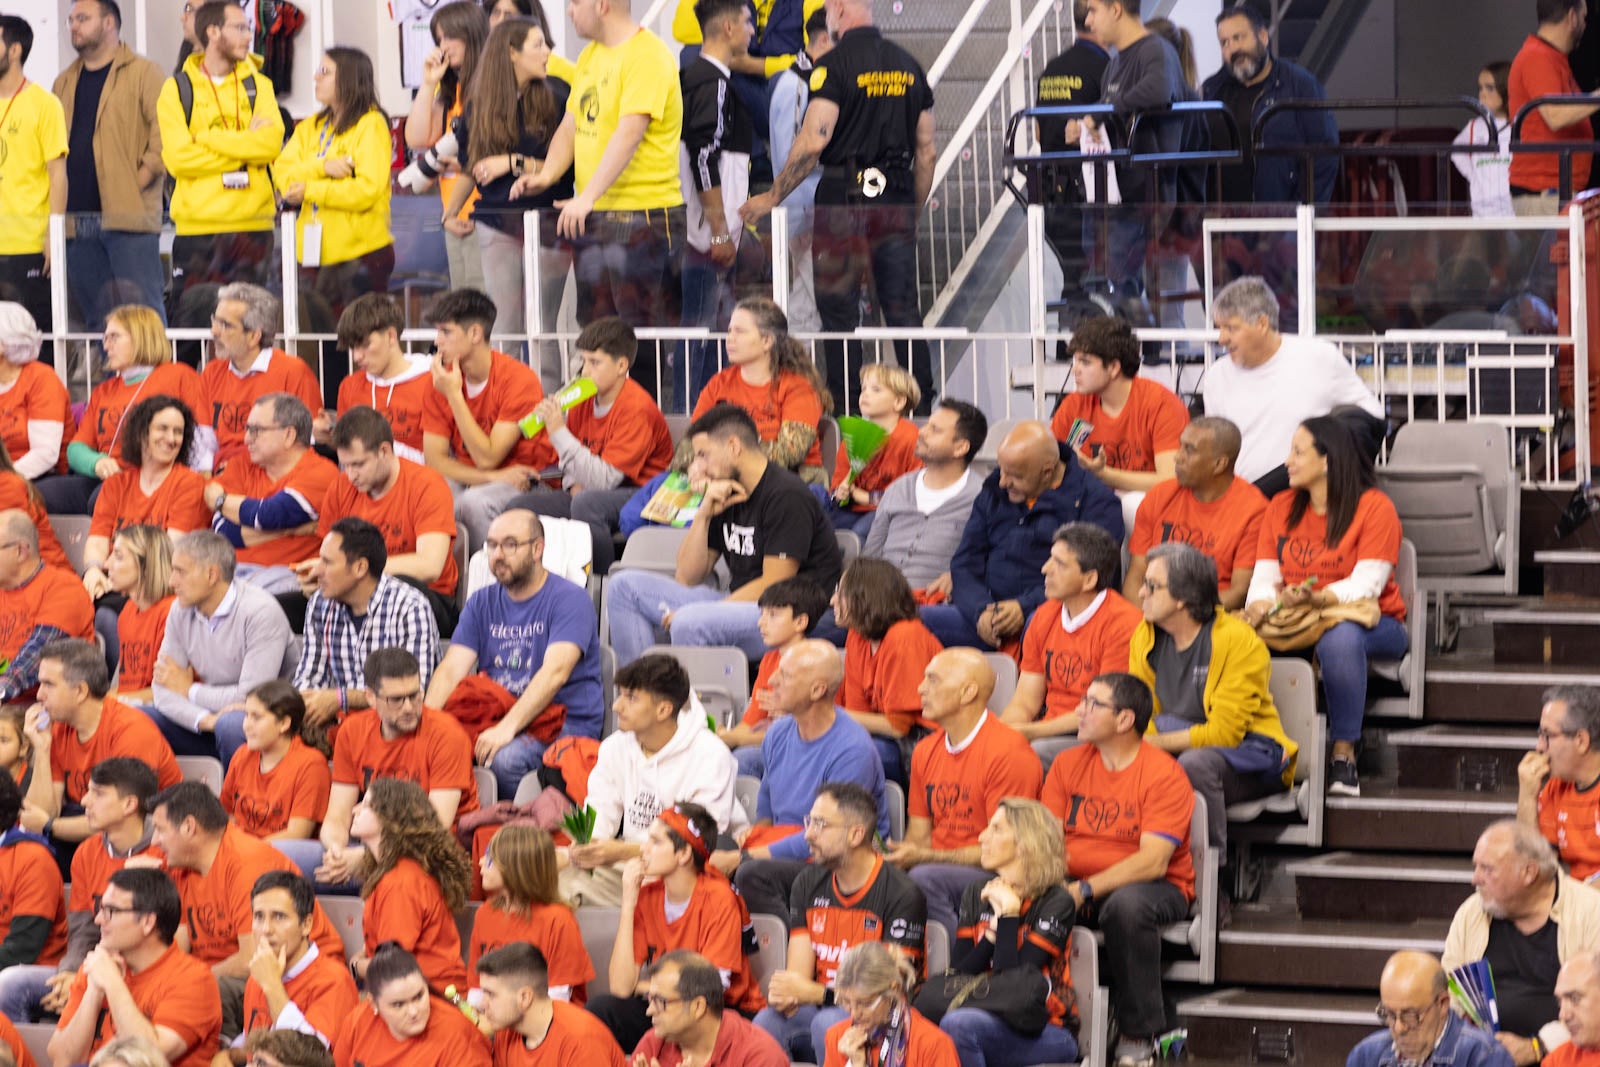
(186, 94)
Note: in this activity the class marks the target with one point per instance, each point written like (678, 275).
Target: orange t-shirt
(897, 456)
(552, 928)
(574, 1037)
(450, 1040)
(14, 494)
(92, 868)
(1148, 424)
(959, 790)
(787, 398)
(400, 402)
(101, 425)
(769, 663)
(1226, 529)
(33, 887)
(511, 392)
(437, 756)
(1070, 661)
(713, 924)
(140, 634)
(885, 680)
(52, 597)
(926, 1045)
(307, 480)
(632, 436)
(1569, 818)
(324, 992)
(419, 502)
(1374, 533)
(12, 1039)
(177, 504)
(36, 396)
(178, 992)
(231, 397)
(123, 731)
(1104, 813)
(407, 905)
(262, 803)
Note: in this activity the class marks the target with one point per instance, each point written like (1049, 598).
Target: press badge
(311, 245)
(236, 179)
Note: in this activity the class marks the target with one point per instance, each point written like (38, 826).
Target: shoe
(1343, 781)
(1147, 1059)
(1136, 1054)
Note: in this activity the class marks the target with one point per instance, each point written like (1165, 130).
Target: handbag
(1290, 629)
(1018, 997)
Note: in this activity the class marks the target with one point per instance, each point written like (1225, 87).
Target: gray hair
(1191, 578)
(1247, 299)
(262, 311)
(1583, 708)
(209, 549)
(289, 411)
(1224, 433)
(1528, 845)
(18, 526)
(19, 334)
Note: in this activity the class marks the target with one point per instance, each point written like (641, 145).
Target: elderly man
(1520, 892)
(689, 1022)
(995, 575)
(38, 604)
(1555, 782)
(1414, 1006)
(1578, 992)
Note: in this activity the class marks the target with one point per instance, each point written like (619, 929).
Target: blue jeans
(230, 736)
(951, 627)
(512, 763)
(108, 268)
(803, 1035)
(182, 740)
(701, 616)
(942, 885)
(1343, 652)
(983, 1039)
(707, 301)
(22, 987)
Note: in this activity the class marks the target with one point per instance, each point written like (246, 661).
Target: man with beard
(1525, 919)
(533, 637)
(1252, 78)
(33, 173)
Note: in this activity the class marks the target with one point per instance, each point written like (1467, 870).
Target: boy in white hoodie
(661, 754)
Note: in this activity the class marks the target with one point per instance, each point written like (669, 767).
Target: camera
(422, 171)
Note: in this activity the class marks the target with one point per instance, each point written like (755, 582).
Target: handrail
(653, 14)
(1565, 148)
(958, 37)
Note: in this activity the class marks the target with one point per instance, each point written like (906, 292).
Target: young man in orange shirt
(530, 1028)
(386, 378)
(469, 422)
(138, 982)
(1206, 505)
(38, 604)
(247, 367)
(1556, 782)
(1130, 866)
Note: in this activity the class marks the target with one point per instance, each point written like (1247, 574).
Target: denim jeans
(514, 762)
(182, 740)
(983, 1039)
(108, 268)
(707, 301)
(803, 1035)
(1343, 652)
(22, 987)
(230, 736)
(701, 616)
(629, 264)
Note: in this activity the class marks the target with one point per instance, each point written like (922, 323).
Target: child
(519, 875)
(790, 610)
(277, 785)
(888, 394)
(16, 754)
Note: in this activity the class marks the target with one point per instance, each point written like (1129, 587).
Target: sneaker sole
(1339, 790)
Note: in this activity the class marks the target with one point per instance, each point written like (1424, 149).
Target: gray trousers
(942, 884)
(1213, 778)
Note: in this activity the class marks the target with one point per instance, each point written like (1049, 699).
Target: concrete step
(1570, 574)
(1260, 1026)
(1392, 818)
(1475, 689)
(1546, 634)
(1286, 950)
(1464, 758)
(1380, 887)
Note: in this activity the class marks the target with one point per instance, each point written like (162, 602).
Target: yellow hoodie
(353, 211)
(218, 140)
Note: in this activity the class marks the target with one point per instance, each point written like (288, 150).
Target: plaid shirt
(336, 648)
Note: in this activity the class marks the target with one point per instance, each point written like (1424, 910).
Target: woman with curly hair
(525, 904)
(414, 878)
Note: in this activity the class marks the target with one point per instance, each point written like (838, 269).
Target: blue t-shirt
(510, 638)
(844, 754)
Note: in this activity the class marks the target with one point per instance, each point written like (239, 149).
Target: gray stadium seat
(938, 943)
(599, 928)
(746, 789)
(720, 674)
(1294, 692)
(1407, 671)
(73, 533)
(207, 769)
(772, 948)
(488, 786)
(895, 798)
(1005, 679)
(345, 914)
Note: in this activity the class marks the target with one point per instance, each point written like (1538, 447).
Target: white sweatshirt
(628, 790)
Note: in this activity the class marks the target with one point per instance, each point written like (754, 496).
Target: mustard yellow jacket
(218, 140)
(353, 211)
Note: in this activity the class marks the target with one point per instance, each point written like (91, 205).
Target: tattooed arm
(815, 132)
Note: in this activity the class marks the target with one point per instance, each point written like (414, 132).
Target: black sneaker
(1343, 780)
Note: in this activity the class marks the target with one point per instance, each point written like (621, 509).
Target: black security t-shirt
(1073, 77)
(83, 184)
(1524, 969)
(881, 92)
(780, 518)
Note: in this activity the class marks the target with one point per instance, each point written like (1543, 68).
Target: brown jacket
(126, 138)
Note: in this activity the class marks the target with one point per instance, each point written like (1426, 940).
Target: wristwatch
(1085, 890)
(221, 495)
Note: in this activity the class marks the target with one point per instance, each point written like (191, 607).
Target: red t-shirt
(1070, 661)
(926, 1046)
(1148, 424)
(787, 398)
(324, 992)
(552, 928)
(407, 905)
(12, 1039)
(419, 502)
(178, 992)
(959, 790)
(1374, 533)
(177, 504)
(1104, 813)
(437, 756)
(1569, 818)
(140, 634)
(740, 1043)
(123, 731)
(92, 868)
(32, 884)
(632, 436)
(1226, 529)
(107, 410)
(1540, 69)
(769, 663)
(52, 597)
(450, 1040)
(36, 396)
(263, 803)
(574, 1037)
(885, 680)
(231, 397)
(307, 481)
(15, 495)
(400, 402)
(713, 925)
(897, 456)
(511, 392)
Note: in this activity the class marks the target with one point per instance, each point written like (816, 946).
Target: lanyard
(7, 112)
(325, 139)
(218, 96)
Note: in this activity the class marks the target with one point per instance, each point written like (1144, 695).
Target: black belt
(873, 182)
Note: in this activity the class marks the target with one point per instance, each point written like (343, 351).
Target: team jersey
(52, 597)
(140, 634)
(93, 864)
(320, 987)
(177, 992)
(407, 905)
(398, 399)
(552, 928)
(1301, 553)
(959, 790)
(230, 395)
(1042, 931)
(715, 923)
(32, 884)
(511, 392)
(437, 755)
(888, 907)
(307, 482)
(1070, 661)
(574, 1037)
(107, 411)
(177, 504)
(1149, 423)
(632, 436)
(1569, 818)
(884, 680)
(1227, 529)
(418, 503)
(788, 397)
(122, 731)
(450, 1040)
(263, 802)
(15, 494)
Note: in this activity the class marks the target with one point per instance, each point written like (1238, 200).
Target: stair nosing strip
(1397, 874)
(1425, 738)
(1293, 940)
(1532, 676)
(1279, 1013)
(1420, 804)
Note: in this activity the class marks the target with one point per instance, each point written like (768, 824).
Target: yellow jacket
(353, 211)
(215, 141)
(1237, 700)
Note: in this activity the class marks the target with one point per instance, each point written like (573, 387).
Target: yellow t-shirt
(638, 77)
(33, 132)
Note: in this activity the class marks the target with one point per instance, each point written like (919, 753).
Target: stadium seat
(1407, 671)
(1199, 932)
(828, 443)
(599, 928)
(1294, 692)
(36, 1037)
(937, 939)
(73, 533)
(345, 914)
(458, 549)
(746, 788)
(720, 675)
(488, 786)
(568, 551)
(207, 769)
(849, 544)
(988, 456)
(1005, 679)
(608, 672)
(772, 948)
(1094, 999)
(678, 425)
(528, 789)
(895, 798)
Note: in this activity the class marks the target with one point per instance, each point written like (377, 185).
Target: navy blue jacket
(1005, 544)
(1278, 178)
(1461, 1045)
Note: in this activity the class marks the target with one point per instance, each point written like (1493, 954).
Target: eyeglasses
(660, 1003)
(111, 911)
(862, 1004)
(819, 825)
(510, 544)
(253, 430)
(1091, 704)
(401, 699)
(1154, 587)
(1407, 1017)
(220, 323)
(1544, 735)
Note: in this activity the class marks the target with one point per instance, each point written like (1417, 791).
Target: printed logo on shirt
(1059, 87)
(258, 815)
(740, 540)
(877, 83)
(1126, 455)
(818, 76)
(209, 926)
(1185, 534)
(229, 419)
(1303, 552)
(1065, 670)
(1103, 817)
(952, 803)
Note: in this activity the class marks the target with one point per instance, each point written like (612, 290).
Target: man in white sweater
(661, 754)
(1270, 384)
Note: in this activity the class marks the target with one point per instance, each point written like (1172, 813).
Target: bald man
(996, 576)
(808, 744)
(959, 775)
(38, 604)
(1421, 1029)
(534, 642)
(1578, 992)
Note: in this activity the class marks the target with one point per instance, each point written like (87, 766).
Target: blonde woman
(140, 570)
(883, 1029)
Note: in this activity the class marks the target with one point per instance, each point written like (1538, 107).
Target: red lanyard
(7, 112)
(218, 96)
